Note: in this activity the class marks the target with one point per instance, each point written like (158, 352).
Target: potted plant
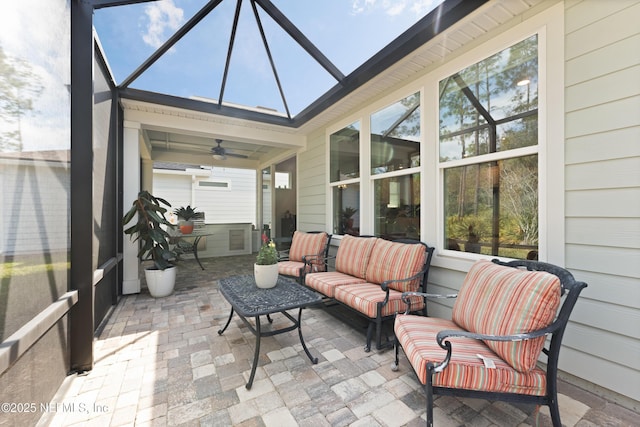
(265, 269)
(186, 214)
(154, 242)
(346, 220)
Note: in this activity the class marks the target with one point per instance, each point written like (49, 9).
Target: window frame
(366, 178)
(548, 26)
(331, 186)
(399, 172)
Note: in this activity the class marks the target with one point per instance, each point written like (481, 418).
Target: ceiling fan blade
(220, 153)
(240, 156)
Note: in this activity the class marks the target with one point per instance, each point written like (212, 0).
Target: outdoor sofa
(370, 276)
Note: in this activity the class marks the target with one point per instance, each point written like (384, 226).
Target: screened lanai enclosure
(483, 128)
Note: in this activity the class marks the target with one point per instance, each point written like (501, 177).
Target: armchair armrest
(442, 336)
(283, 255)
(315, 259)
(386, 283)
(406, 295)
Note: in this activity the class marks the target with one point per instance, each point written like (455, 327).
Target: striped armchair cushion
(290, 268)
(417, 335)
(499, 300)
(353, 255)
(391, 260)
(308, 244)
(365, 297)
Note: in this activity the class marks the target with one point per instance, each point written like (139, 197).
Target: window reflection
(395, 136)
(346, 209)
(397, 207)
(345, 153)
(492, 208)
(491, 203)
(496, 95)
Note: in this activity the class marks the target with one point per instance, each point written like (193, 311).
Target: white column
(147, 175)
(131, 187)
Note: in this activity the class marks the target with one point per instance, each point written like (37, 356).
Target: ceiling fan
(220, 153)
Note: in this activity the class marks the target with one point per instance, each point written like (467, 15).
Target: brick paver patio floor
(161, 362)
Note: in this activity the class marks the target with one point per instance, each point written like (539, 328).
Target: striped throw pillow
(353, 255)
(499, 300)
(306, 244)
(391, 260)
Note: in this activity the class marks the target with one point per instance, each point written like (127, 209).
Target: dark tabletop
(248, 300)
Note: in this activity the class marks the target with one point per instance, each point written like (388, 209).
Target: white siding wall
(234, 204)
(175, 189)
(312, 186)
(602, 101)
(35, 217)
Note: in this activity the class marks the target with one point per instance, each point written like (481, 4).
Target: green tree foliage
(490, 107)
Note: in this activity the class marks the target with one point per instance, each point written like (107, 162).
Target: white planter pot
(266, 276)
(161, 282)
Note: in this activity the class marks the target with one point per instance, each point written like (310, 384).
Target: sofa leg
(396, 362)
(367, 347)
(555, 413)
(379, 345)
(429, 391)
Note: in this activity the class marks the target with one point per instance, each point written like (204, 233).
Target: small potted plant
(186, 214)
(266, 267)
(346, 219)
(154, 241)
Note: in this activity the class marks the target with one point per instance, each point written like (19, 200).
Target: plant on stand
(154, 241)
(346, 220)
(266, 267)
(186, 214)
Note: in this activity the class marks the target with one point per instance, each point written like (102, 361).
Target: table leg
(195, 250)
(221, 331)
(256, 355)
(314, 360)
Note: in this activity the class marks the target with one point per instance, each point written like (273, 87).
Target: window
(213, 184)
(395, 136)
(395, 150)
(344, 173)
(488, 154)
(283, 180)
(397, 207)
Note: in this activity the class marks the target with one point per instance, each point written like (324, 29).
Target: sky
(41, 60)
(348, 32)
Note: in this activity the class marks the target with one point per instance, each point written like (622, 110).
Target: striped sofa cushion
(308, 244)
(364, 297)
(391, 260)
(326, 283)
(417, 335)
(499, 300)
(353, 255)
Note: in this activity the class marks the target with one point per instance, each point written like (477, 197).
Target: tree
(19, 85)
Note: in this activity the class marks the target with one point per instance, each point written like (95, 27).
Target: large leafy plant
(154, 240)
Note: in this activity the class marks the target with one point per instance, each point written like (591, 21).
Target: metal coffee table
(247, 300)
